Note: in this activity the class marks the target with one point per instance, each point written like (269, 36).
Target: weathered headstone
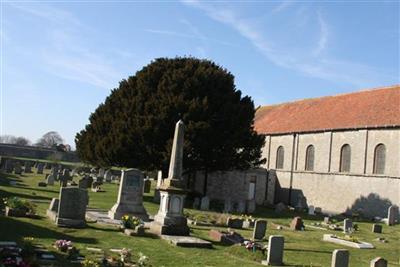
(340, 258)
(17, 168)
(28, 167)
(301, 203)
(9, 166)
(101, 172)
(205, 203)
(50, 179)
(196, 203)
(393, 215)
(130, 196)
(227, 205)
(241, 208)
(259, 229)
(251, 206)
(311, 210)
(379, 262)
(63, 180)
(159, 179)
(107, 176)
(147, 185)
(234, 223)
(327, 220)
(377, 228)
(347, 225)
(40, 167)
(297, 224)
(72, 207)
(275, 250)
(53, 209)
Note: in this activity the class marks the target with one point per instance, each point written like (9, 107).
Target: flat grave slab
(333, 239)
(101, 217)
(187, 241)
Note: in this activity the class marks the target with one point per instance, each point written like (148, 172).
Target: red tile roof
(378, 107)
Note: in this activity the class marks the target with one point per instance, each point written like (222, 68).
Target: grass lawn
(302, 248)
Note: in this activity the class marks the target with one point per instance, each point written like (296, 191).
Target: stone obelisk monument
(170, 219)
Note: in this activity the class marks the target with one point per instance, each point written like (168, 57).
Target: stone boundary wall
(341, 193)
(9, 150)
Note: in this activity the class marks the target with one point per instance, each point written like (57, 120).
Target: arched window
(310, 158)
(280, 156)
(345, 158)
(379, 159)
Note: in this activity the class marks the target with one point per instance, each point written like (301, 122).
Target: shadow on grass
(26, 196)
(15, 230)
(93, 226)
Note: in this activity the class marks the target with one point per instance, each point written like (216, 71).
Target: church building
(342, 153)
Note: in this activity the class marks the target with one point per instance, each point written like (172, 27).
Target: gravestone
(259, 229)
(40, 167)
(347, 225)
(377, 228)
(66, 175)
(9, 166)
(234, 223)
(379, 262)
(205, 203)
(63, 180)
(101, 172)
(275, 250)
(241, 206)
(327, 220)
(297, 224)
(340, 258)
(159, 179)
(83, 183)
(393, 215)
(107, 176)
(311, 210)
(53, 209)
(196, 203)
(17, 168)
(50, 179)
(227, 205)
(130, 196)
(301, 203)
(147, 185)
(251, 206)
(72, 207)
(28, 167)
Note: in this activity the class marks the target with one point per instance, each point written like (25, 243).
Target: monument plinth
(170, 219)
(130, 196)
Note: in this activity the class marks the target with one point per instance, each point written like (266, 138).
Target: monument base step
(187, 241)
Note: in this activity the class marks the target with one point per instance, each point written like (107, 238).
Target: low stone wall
(341, 193)
(235, 185)
(33, 152)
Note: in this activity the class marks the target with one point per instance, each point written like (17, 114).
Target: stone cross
(259, 229)
(347, 225)
(275, 250)
(393, 215)
(130, 196)
(340, 258)
(175, 164)
(379, 262)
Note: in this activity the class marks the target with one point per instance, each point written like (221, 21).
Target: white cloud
(308, 62)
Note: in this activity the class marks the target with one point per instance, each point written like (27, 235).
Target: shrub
(20, 204)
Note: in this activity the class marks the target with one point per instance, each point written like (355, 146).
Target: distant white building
(341, 152)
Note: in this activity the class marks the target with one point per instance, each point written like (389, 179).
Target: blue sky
(61, 59)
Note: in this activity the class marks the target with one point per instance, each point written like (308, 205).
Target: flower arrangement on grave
(125, 255)
(63, 245)
(130, 222)
(18, 207)
(143, 260)
(90, 263)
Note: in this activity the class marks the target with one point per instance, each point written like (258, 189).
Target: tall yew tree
(135, 125)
